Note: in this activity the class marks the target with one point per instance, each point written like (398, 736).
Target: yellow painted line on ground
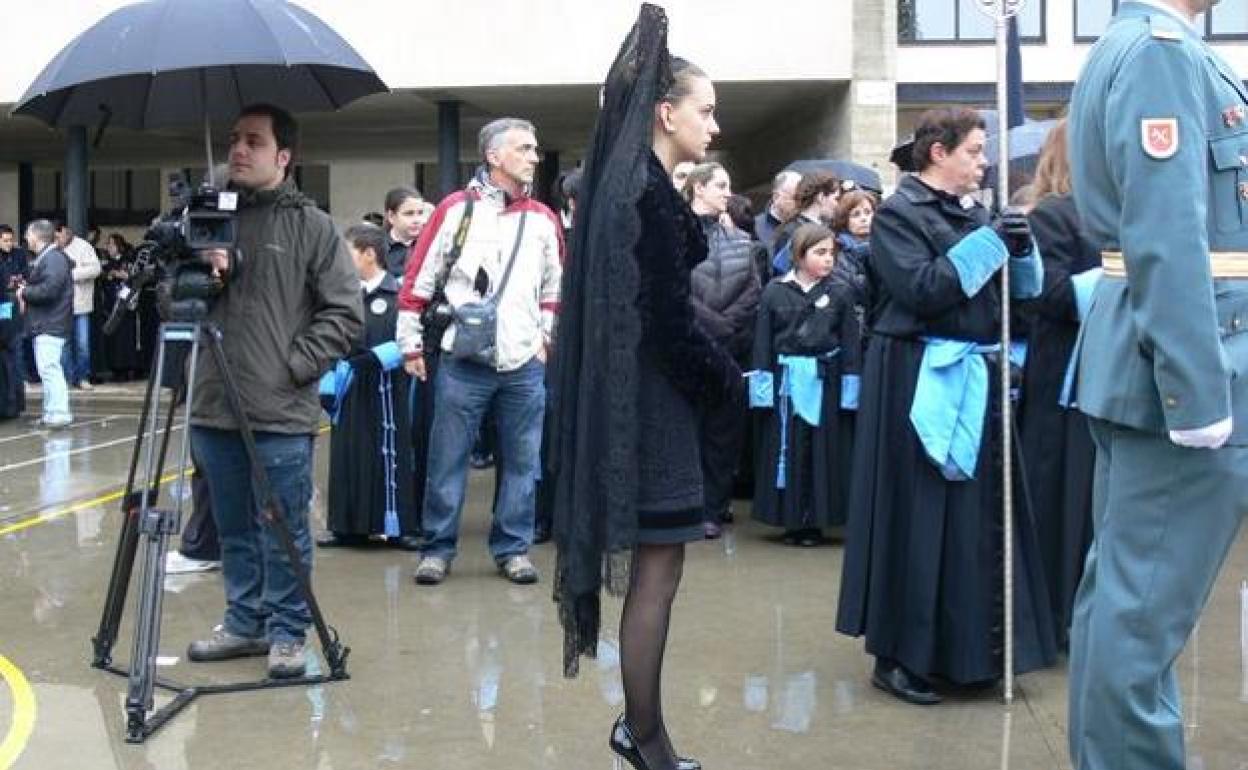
(23, 722)
(110, 497)
(44, 518)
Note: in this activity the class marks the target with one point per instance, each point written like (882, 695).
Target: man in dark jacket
(724, 290)
(780, 209)
(47, 300)
(288, 312)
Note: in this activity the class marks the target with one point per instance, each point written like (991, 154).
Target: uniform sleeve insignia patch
(1160, 137)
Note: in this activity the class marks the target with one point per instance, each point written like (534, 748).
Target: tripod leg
(155, 527)
(273, 516)
(123, 562)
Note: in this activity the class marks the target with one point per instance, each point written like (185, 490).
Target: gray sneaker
(519, 569)
(223, 645)
(286, 660)
(432, 570)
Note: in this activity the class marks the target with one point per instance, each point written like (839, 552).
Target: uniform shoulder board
(1165, 28)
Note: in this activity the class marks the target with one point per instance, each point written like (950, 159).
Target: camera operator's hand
(220, 261)
(1015, 231)
(416, 368)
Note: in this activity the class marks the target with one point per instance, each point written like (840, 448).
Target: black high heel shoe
(625, 746)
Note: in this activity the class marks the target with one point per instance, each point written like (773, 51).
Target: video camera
(173, 254)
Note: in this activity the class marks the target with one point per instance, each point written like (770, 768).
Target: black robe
(1057, 447)
(922, 574)
(814, 463)
(371, 490)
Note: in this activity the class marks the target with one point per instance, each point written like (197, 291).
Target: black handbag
(476, 323)
(438, 314)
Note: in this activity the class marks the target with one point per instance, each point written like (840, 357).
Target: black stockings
(647, 613)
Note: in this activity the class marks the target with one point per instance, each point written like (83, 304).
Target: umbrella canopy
(172, 62)
(1026, 142)
(843, 169)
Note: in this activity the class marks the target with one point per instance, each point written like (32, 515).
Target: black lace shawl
(594, 444)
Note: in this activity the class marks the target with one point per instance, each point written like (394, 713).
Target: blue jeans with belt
(464, 392)
(262, 596)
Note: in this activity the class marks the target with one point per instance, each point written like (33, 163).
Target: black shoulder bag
(438, 314)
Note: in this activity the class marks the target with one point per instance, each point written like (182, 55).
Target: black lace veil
(594, 444)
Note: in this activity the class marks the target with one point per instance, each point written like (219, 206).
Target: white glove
(1209, 437)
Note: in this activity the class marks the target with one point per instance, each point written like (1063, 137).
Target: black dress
(674, 359)
(371, 490)
(1057, 446)
(802, 472)
(923, 558)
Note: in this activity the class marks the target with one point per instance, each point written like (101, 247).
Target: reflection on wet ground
(467, 675)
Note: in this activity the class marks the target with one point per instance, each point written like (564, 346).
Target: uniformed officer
(1159, 156)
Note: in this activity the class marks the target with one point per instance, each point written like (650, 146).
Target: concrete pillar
(10, 195)
(25, 192)
(448, 148)
(77, 183)
(868, 112)
(547, 173)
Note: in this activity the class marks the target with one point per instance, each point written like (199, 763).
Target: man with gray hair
(47, 299)
(491, 260)
(780, 209)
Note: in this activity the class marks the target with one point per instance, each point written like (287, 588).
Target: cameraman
(289, 309)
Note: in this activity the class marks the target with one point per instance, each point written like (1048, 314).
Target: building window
(116, 197)
(960, 21)
(1227, 21)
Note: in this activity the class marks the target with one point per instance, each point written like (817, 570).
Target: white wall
(511, 42)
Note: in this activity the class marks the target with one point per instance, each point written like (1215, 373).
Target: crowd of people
(650, 350)
(70, 314)
(824, 302)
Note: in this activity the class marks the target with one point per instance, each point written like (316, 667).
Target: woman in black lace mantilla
(632, 368)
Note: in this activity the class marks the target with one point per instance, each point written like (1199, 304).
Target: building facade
(799, 79)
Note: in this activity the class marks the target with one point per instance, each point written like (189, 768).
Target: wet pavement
(467, 674)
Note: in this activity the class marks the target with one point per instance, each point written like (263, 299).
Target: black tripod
(144, 522)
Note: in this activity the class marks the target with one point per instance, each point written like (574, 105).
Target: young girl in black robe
(371, 489)
(802, 388)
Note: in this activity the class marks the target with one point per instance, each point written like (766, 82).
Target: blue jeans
(464, 392)
(262, 596)
(76, 358)
(48, 350)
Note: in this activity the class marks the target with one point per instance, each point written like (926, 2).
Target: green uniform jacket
(1159, 163)
(291, 311)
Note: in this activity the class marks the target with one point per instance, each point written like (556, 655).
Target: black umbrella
(174, 62)
(855, 172)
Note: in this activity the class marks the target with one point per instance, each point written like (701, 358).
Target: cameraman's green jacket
(288, 313)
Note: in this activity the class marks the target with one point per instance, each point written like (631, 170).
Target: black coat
(1057, 447)
(816, 460)
(914, 287)
(679, 367)
(922, 568)
(49, 295)
(725, 289)
(396, 256)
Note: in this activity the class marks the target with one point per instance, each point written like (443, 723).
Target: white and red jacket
(530, 303)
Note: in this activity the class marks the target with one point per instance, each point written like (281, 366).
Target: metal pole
(1007, 438)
